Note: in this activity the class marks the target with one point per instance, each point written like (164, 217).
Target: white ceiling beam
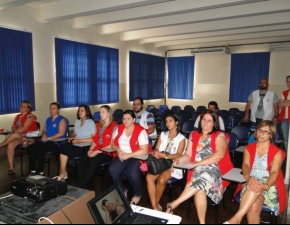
(200, 16)
(251, 21)
(229, 43)
(225, 38)
(216, 33)
(61, 10)
(4, 4)
(150, 11)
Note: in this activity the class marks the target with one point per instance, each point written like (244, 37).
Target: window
(146, 76)
(180, 77)
(16, 70)
(247, 69)
(86, 74)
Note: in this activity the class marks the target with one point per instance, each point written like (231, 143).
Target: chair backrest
(176, 108)
(162, 108)
(234, 142)
(195, 115)
(184, 114)
(162, 126)
(118, 115)
(201, 109)
(183, 117)
(118, 111)
(154, 111)
(233, 111)
(235, 120)
(227, 123)
(189, 109)
(149, 107)
(97, 116)
(187, 127)
(242, 132)
(224, 113)
(240, 113)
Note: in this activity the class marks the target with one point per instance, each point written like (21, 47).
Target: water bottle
(232, 122)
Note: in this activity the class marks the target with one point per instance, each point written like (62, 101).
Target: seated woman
(129, 140)
(207, 151)
(94, 158)
(170, 145)
(55, 127)
(23, 123)
(84, 130)
(264, 179)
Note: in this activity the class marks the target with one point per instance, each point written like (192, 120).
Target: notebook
(112, 207)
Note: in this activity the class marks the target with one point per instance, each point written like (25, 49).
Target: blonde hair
(108, 108)
(271, 125)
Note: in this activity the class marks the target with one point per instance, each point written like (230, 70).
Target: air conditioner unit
(210, 50)
(280, 46)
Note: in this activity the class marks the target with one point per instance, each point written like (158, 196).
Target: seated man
(214, 107)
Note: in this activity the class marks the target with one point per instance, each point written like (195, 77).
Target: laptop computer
(112, 207)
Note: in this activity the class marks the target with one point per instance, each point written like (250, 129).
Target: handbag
(157, 166)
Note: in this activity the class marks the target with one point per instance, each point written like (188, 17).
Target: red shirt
(19, 122)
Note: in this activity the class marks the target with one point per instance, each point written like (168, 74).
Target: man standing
(214, 107)
(284, 117)
(144, 118)
(264, 104)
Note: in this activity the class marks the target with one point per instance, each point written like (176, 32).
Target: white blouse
(124, 141)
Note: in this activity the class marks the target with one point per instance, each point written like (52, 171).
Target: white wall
(24, 18)
(212, 76)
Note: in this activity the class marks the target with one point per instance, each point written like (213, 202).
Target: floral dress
(260, 172)
(207, 177)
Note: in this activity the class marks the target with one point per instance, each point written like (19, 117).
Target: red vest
(283, 110)
(33, 125)
(134, 144)
(273, 150)
(106, 136)
(225, 164)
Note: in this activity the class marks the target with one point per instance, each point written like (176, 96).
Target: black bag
(157, 166)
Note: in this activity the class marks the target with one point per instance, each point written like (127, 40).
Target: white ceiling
(173, 23)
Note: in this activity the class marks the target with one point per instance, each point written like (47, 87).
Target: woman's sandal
(61, 177)
(171, 209)
(158, 207)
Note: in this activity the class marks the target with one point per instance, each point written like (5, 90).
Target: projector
(38, 188)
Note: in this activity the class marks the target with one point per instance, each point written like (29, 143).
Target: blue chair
(234, 120)
(224, 113)
(118, 115)
(182, 118)
(233, 111)
(162, 108)
(273, 218)
(227, 123)
(194, 116)
(103, 168)
(242, 133)
(187, 128)
(97, 116)
(176, 108)
(234, 142)
(149, 107)
(201, 109)
(189, 109)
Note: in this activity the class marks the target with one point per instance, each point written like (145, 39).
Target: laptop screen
(109, 205)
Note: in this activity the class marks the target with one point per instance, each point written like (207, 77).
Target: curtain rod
(228, 46)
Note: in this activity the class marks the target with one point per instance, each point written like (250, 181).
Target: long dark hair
(216, 126)
(175, 117)
(88, 112)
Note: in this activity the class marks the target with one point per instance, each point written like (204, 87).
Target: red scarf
(225, 164)
(283, 110)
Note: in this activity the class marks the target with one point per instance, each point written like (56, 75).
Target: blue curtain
(86, 74)
(105, 67)
(180, 77)
(146, 76)
(247, 69)
(16, 70)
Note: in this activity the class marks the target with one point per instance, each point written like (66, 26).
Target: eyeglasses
(264, 132)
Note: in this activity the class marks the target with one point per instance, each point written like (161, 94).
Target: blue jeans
(285, 131)
(133, 174)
